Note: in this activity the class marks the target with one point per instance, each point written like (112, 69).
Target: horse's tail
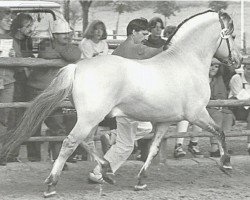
(40, 108)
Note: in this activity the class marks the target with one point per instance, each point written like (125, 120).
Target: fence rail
(212, 103)
(58, 63)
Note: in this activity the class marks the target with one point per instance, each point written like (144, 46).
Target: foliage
(166, 8)
(218, 5)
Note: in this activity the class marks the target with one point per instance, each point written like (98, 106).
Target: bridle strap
(227, 40)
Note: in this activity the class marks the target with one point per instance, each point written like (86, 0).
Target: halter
(223, 35)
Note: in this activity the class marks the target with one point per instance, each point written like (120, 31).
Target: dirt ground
(178, 179)
(184, 179)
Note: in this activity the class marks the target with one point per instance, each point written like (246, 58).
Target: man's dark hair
(137, 25)
(152, 23)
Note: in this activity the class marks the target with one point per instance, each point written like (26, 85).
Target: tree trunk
(117, 23)
(85, 13)
(66, 9)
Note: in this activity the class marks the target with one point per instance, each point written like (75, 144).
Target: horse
(170, 87)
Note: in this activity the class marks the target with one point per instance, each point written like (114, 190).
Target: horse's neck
(197, 39)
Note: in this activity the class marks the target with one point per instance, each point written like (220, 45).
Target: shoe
(100, 179)
(215, 154)
(95, 178)
(34, 159)
(194, 150)
(13, 159)
(179, 152)
(72, 160)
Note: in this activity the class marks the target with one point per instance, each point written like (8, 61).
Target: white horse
(169, 87)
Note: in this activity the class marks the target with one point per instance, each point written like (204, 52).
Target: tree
(121, 7)
(66, 9)
(166, 8)
(218, 5)
(75, 13)
(85, 4)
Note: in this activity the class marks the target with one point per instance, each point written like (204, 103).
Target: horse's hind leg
(160, 130)
(204, 121)
(82, 129)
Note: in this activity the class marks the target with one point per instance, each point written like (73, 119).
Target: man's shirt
(128, 49)
(239, 87)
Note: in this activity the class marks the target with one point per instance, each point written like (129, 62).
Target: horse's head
(227, 52)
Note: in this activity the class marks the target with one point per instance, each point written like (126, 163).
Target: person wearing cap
(58, 47)
(240, 89)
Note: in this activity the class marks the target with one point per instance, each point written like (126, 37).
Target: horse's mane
(168, 42)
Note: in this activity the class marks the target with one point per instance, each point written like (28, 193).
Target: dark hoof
(51, 191)
(141, 187)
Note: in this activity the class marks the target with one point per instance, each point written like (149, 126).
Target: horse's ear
(228, 22)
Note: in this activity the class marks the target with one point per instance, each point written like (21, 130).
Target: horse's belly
(147, 112)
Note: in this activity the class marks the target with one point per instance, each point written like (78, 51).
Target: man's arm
(70, 53)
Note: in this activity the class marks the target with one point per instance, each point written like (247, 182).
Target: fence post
(114, 34)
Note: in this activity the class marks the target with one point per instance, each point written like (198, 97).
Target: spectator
(94, 43)
(155, 28)
(58, 47)
(6, 75)
(127, 129)
(240, 89)
(20, 30)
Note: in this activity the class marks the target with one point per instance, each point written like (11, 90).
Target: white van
(44, 13)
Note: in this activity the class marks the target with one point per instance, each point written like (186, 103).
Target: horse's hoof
(141, 187)
(51, 191)
(48, 194)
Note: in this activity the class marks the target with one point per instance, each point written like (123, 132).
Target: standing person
(58, 47)
(240, 89)
(127, 131)
(6, 75)
(93, 43)
(156, 27)
(20, 30)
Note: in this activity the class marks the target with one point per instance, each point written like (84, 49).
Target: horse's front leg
(160, 130)
(204, 121)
